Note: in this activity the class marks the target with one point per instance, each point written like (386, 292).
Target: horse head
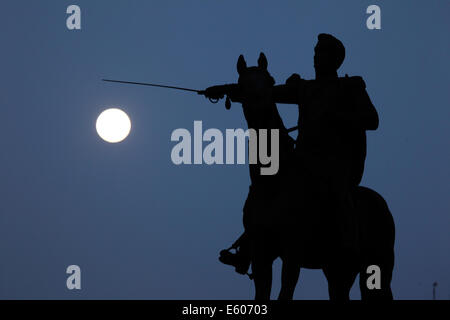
(261, 112)
(255, 83)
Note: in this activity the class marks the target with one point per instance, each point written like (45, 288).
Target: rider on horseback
(334, 114)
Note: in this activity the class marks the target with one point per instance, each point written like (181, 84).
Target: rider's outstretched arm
(290, 92)
(286, 93)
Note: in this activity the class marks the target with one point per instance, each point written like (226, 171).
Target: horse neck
(262, 116)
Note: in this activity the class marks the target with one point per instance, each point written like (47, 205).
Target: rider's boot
(240, 259)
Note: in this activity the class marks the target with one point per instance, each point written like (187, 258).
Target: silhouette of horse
(265, 214)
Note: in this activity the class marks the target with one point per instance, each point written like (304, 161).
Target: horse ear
(262, 61)
(241, 64)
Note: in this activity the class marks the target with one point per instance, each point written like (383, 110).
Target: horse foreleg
(262, 278)
(289, 278)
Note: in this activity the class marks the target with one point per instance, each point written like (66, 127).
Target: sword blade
(152, 85)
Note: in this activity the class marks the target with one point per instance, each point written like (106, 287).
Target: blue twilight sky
(141, 227)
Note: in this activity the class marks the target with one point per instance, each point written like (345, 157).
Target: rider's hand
(293, 79)
(215, 92)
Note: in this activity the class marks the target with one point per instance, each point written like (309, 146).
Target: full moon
(113, 125)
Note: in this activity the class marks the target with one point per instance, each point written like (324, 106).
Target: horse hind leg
(340, 281)
(379, 234)
(386, 264)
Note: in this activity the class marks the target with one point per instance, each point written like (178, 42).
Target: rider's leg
(241, 259)
(243, 255)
